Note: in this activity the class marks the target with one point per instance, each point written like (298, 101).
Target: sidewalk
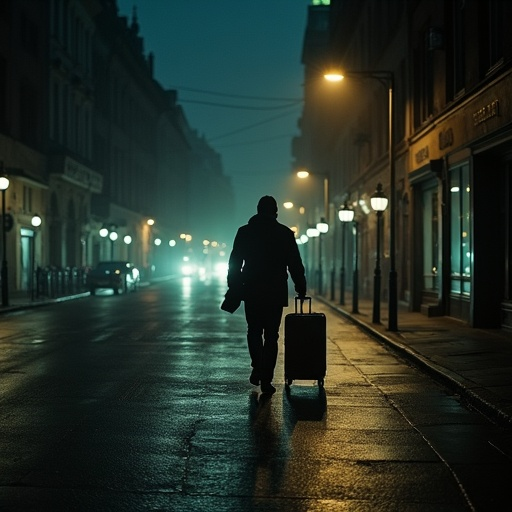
(474, 363)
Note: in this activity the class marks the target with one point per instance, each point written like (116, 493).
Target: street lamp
(355, 273)
(148, 249)
(4, 185)
(387, 78)
(289, 205)
(322, 228)
(312, 232)
(36, 222)
(303, 173)
(345, 214)
(379, 203)
(113, 236)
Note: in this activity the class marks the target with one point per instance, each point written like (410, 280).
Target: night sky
(237, 67)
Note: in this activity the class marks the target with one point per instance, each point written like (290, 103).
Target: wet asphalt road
(142, 402)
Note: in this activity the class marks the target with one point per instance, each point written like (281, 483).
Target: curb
(41, 303)
(477, 398)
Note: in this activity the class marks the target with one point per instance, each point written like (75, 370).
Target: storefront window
(430, 240)
(460, 231)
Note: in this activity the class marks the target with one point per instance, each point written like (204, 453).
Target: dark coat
(264, 251)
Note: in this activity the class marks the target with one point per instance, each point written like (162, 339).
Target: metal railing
(53, 282)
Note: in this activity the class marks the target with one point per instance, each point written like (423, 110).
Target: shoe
(267, 388)
(254, 379)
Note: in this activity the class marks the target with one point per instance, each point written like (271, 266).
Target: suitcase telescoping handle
(305, 299)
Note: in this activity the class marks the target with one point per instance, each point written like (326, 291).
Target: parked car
(116, 275)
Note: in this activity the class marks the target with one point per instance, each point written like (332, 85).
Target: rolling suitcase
(305, 355)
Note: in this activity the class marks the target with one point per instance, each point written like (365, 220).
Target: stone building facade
(90, 139)
(452, 133)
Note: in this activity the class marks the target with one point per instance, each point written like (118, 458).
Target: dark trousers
(263, 321)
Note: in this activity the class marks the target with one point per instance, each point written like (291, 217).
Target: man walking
(264, 252)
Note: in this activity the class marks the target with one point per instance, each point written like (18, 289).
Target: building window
(27, 199)
(3, 94)
(496, 30)
(29, 36)
(508, 231)
(56, 21)
(459, 63)
(55, 121)
(29, 118)
(423, 82)
(460, 231)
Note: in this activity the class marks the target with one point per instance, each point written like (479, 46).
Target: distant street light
(4, 185)
(355, 273)
(36, 222)
(312, 232)
(150, 257)
(112, 235)
(323, 225)
(303, 173)
(322, 228)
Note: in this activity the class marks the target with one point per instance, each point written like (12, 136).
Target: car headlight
(187, 270)
(221, 269)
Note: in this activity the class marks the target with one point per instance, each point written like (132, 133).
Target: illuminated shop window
(431, 239)
(460, 231)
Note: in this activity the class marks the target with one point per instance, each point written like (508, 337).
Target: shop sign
(422, 155)
(492, 109)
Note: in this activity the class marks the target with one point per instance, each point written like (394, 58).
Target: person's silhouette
(264, 252)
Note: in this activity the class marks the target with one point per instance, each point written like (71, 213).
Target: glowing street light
(112, 235)
(379, 203)
(386, 78)
(36, 222)
(4, 185)
(345, 214)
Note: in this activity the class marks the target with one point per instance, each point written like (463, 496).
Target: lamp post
(303, 173)
(355, 273)
(4, 185)
(345, 215)
(36, 222)
(149, 252)
(127, 239)
(289, 205)
(322, 226)
(387, 78)
(312, 232)
(302, 241)
(379, 203)
(113, 236)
